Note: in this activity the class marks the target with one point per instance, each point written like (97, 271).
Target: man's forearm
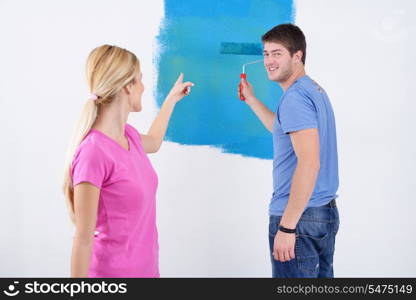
(303, 184)
(265, 115)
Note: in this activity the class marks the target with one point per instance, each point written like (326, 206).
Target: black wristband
(286, 230)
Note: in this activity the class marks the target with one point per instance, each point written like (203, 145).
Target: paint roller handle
(243, 76)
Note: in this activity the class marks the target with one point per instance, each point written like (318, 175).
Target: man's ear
(298, 56)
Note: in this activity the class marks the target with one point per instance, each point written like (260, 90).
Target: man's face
(277, 61)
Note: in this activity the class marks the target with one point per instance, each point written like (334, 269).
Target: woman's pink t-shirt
(126, 239)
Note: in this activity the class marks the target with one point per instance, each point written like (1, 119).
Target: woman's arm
(86, 198)
(153, 139)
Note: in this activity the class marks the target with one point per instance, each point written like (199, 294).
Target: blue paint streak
(189, 40)
(242, 48)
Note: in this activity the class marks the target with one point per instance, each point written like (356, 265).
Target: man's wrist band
(286, 230)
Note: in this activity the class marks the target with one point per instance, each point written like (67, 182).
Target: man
(303, 216)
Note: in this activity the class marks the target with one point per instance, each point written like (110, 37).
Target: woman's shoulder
(91, 147)
(132, 131)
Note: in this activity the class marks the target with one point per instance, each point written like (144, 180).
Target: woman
(109, 183)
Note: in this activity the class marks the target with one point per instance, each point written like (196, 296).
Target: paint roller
(242, 49)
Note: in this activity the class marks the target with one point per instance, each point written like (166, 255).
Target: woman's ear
(127, 89)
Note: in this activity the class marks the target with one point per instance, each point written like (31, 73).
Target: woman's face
(136, 93)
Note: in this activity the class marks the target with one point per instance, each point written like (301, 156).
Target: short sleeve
(88, 166)
(297, 112)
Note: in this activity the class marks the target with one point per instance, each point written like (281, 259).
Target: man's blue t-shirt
(304, 105)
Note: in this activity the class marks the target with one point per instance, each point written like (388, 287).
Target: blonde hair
(109, 69)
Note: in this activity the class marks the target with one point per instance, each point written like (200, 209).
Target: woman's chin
(136, 109)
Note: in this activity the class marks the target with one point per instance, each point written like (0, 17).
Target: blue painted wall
(190, 41)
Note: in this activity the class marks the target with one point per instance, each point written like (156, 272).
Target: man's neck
(295, 76)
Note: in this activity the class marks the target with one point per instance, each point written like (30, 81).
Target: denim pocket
(319, 238)
(308, 266)
(311, 240)
(314, 231)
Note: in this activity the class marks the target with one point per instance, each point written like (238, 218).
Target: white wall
(362, 52)
(212, 207)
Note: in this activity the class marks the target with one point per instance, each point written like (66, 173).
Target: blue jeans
(314, 247)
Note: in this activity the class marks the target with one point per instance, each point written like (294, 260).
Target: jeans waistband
(332, 203)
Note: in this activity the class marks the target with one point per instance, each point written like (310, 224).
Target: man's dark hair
(290, 36)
